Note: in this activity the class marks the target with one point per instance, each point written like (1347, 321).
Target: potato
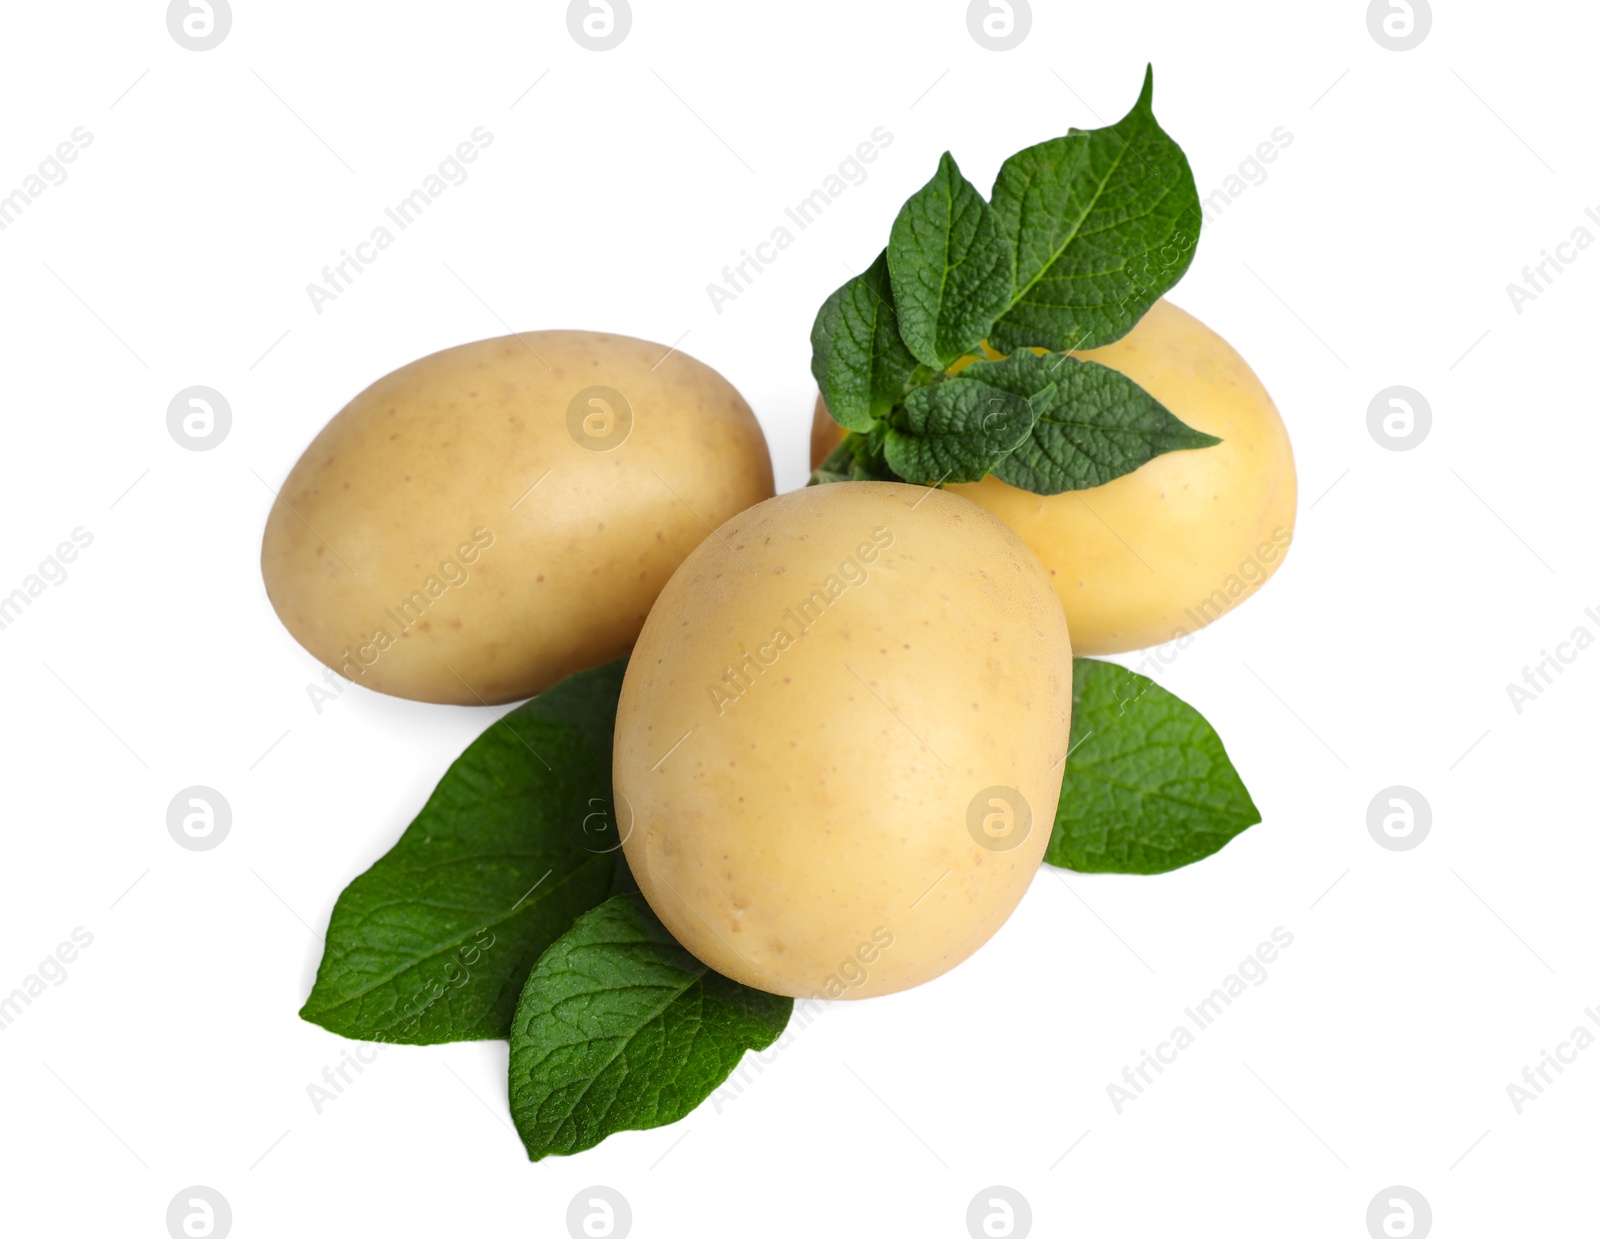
(483, 522)
(840, 739)
(1157, 553)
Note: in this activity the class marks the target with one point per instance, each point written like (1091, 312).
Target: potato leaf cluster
(929, 358)
(505, 911)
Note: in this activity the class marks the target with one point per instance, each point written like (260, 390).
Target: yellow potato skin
(408, 552)
(1158, 553)
(797, 809)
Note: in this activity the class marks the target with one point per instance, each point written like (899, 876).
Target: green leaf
(858, 458)
(857, 355)
(1095, 423)
(1148, 786)
(434, 941)
(955, 431)
(620, 1029)
(949, 266)
(1099, 224)
(1084, 234)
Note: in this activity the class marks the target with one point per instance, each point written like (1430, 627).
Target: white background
(1377, 252)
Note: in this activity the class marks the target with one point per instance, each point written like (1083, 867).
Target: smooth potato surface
(479, 524)
(839, 743)
(1160, 552)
